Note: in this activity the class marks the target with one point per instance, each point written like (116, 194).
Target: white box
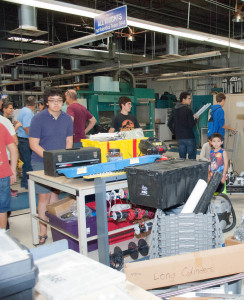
(114, 86)
(71, 275)
(102, 83)
(163, 132)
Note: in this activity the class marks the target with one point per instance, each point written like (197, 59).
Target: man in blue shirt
(51, 129)
(25, 116)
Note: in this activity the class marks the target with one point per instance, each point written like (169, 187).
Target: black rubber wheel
(133, 251)
(232, 217)
(117, 259)
(143, 247)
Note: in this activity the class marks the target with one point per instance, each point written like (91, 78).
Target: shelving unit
(80, 188)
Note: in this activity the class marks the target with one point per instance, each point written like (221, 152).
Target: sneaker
(14, 194)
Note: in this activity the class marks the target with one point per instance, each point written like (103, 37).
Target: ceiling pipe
(117, 75)
(75, 66)
(99, 69)
(23, 93)
(9, 75)
(172, 42)
(27, 17)
(27, 22)
(51, 49)
(15, 73)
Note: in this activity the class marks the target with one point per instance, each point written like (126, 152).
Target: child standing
(218, 159)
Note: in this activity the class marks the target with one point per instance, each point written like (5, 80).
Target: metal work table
(80, 188)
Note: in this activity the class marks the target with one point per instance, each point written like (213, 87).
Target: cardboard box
(230, 241)
(60, 207)
(189, 267)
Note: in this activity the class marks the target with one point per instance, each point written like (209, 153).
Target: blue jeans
(25, 156)
(5, 194)
(187, 146)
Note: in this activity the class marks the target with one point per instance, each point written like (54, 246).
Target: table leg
(33, 211)
(102, 221)
(81, 214)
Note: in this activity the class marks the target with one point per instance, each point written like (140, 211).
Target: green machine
(198, 102)
(105, 104)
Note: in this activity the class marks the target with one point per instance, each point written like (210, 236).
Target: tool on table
(151, 146)
(62, 159)
(107, 167)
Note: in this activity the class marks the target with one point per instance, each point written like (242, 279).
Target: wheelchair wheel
(229, 218)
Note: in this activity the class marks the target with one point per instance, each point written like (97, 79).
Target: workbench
(80, 188)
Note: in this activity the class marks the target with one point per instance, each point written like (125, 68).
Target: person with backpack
(216, 123)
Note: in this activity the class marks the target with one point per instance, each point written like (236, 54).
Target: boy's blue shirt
(219, 118)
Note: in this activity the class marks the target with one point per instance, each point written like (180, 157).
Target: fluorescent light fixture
(19, 39)
(188, 34)
(91, 13)
(60, 6)
(72, 84)
(219, 70)
(94, 50)
(40, 42)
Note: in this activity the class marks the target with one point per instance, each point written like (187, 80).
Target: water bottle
(239, 232)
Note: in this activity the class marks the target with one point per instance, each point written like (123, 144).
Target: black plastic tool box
(164, 184)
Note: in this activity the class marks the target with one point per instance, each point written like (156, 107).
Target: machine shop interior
(134, 219)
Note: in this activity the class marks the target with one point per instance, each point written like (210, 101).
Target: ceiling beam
(105, 68)
(51, 49)
(82, 53)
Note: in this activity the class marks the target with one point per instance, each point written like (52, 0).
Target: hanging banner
(111, 20)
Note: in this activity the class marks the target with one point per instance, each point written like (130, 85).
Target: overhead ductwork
(15, 73)
(146, 70)
(27, 22)
(117, 75)
(172, 43)
(75, 66)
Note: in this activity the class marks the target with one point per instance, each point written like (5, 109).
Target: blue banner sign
(111, 20)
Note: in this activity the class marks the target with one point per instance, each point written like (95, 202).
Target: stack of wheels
(117, 258)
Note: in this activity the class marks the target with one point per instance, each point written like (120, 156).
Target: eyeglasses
(56, 101)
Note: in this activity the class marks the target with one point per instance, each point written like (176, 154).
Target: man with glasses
(124, 121)
(51, 129)
(181, 123)
(80, 115)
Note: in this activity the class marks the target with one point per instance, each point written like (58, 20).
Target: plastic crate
(184, 235)
(128, 148)
(72, 227)
(164, 184)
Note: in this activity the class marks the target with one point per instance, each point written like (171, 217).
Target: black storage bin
(164, 184)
